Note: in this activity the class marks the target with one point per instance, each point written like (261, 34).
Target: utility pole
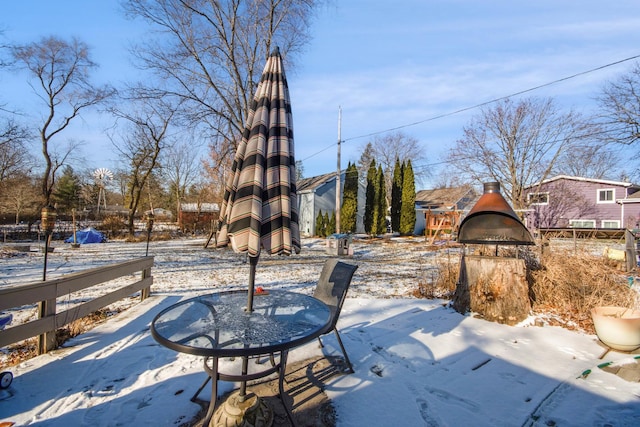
(338, 172)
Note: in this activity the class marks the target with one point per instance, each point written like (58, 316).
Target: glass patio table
(218, 325)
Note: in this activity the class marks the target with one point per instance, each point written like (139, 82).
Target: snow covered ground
(417, 362)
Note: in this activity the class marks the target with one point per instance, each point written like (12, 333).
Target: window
(538, 198)
(606, 195)
(582, 223)
(607, 223)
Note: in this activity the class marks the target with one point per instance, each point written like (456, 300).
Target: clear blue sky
(388, 64)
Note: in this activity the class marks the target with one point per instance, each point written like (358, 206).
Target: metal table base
(215, 375)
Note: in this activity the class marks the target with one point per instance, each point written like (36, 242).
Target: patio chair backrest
(333, 285)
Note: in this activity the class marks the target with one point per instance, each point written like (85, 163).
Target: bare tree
(120, 180)
(388, 148)
(586, 160)
(61, 72)
(148, 122)
(619, 112)
(620, 108)
(182, 168)
(217, 167)
(19, 196)
(210, 54)
(448, 178)
(515, 144)
(14, 157)
(364, 162)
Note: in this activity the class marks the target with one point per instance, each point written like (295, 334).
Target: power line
(461, 110)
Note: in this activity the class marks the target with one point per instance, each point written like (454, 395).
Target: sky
(415, 66)
(417, 362)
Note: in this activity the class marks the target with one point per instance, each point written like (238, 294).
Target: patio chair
(331, 289)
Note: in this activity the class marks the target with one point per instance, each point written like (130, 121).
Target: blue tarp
(88, 235)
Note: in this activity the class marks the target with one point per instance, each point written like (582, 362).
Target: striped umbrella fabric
(260, 208)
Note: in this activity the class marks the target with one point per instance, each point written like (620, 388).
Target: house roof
(578, 178)
(635, 195)
(631, 198)
(445, 198)
(310, 184)
(204, 207)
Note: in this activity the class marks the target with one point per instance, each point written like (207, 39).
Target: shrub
(113, 225)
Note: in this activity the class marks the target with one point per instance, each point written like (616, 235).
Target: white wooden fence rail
(46, 293)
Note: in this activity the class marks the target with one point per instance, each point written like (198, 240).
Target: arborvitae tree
(320, 225)
(349, 210)
(380, 219)
(325, 225)
(331, 225)
(370, 201)
(396, 195)
(408, 211)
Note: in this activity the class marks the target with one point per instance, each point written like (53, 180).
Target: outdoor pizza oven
(493, 221)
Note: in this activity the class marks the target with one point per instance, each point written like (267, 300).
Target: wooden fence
(46, 293)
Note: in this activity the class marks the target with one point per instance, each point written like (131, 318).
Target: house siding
(577, 199)
(193, 217)
(305, 213)
(310, 203)
(322, 197)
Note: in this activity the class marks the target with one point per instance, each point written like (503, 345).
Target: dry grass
(569, 285)
(564, 285)
(27, 349)
(442, 283)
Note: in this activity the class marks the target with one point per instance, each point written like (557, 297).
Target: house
(317, 194)
(112, 210)
(576, 202)
(161, 214)
(198, 216)
(442, 209)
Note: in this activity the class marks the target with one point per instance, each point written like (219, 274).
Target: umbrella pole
(253, 262)
(243, 385)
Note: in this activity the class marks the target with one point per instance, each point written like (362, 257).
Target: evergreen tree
(320, 225)
(396, 195)
(349, 209)
(331, 225)
(325, 225)
(380, 219)
(67, 192)
(408, 211)
(370, 201)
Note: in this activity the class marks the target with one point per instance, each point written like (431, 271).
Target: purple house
(575, 202)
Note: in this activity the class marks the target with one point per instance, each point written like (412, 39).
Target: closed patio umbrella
(259, 210)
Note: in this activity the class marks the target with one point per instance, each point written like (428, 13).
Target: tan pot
(617, 327)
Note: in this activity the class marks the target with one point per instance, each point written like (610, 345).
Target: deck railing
(46, 293)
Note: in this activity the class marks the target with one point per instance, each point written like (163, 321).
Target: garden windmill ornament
(102, 176)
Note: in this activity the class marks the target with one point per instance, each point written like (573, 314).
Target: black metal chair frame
(331, 289)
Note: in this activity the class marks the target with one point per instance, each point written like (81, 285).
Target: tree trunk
(494, 287)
